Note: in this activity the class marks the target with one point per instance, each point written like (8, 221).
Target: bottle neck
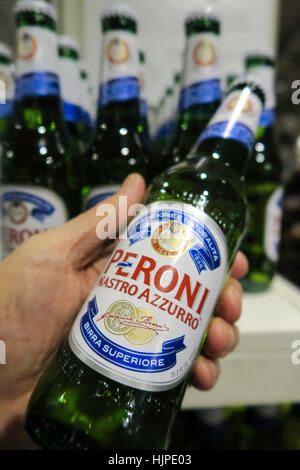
(266, 74)
(229, 137)
(119, 95)
(34, 112)
(37, 79)
(70, 84)
(228, 152)
(201, 84)
(120, 115)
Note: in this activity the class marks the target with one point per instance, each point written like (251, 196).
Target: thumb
(81, 234)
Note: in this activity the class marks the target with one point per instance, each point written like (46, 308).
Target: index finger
(240, 266)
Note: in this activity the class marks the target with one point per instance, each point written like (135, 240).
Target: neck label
(266, 75)
(237, 118)
(27, 211)
(201, 79)
(70, 89)
(273, 225)
(143, 323)
(37, 63)
(120, 67)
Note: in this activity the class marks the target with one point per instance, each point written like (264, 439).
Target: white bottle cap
(68, 41)
(38, 6)
(5, 50)
(121, 9)
(208, 12)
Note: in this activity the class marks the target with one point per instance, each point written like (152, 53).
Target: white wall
(246, 24)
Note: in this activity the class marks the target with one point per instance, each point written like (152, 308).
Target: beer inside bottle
(7, 85)
(263, 186)
(39, 189)
(201, 86)
(119, 146)
(69, 74)
(119, 380)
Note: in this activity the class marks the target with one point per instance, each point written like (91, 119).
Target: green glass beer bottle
(119, 145)
(7, 85)
(119, 380)
(201, 85)
(69, 75)
(263, 186)
(40, 190)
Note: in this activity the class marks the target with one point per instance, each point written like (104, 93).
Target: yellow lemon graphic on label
(145, 329)
(120, 318)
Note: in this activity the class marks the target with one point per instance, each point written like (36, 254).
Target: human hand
(43, 285)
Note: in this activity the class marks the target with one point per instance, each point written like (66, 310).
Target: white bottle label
(99, 194)
(27, 211)
(273, 225)
(201, 78)
(237, 118)
(37, 63)
(143, 323)
(70, 80)
(7, 78)
(120, 68)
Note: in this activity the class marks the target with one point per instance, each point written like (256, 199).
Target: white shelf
(260, 370)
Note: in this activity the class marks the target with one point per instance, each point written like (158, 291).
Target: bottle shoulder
(209, 187)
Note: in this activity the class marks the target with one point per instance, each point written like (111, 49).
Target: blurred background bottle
(200, 86)
(69, 74)
(7, 89)
(40, 188)
(263, 185)
(119, 146)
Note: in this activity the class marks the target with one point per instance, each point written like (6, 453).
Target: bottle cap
(37, 6)
(69, 42)
(121, 9)
(264, 51)
(251, 81)
(5, 50)
(208, 12)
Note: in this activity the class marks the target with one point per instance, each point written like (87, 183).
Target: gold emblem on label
(118, 319)
(145, 329)
(171, 239)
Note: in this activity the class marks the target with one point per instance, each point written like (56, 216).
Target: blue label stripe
(99, 198)
(122, 356)
(119, 89)
(6, 109)
(202, 92)
(144, 108)
(239, 132)
(40, 212)
(205, 255)
(72, 112)
(37, 84)
(267, 118)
